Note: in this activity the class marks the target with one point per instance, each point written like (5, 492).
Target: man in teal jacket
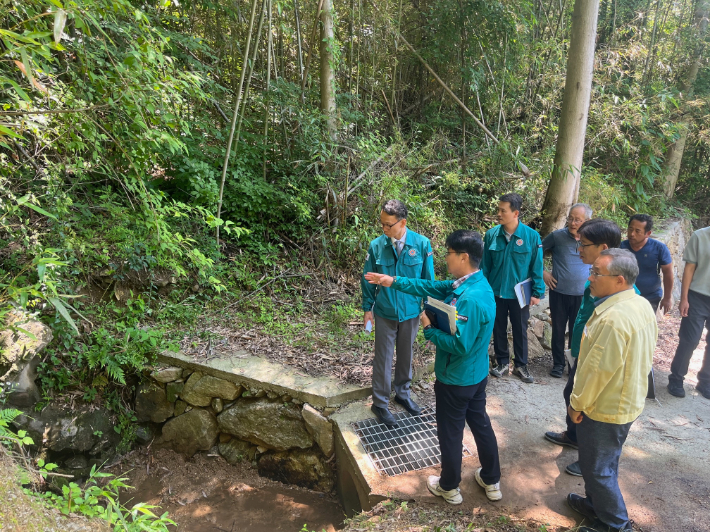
(512, 253)
(461, 365)
(399, 251)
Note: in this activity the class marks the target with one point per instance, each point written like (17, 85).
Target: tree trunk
(674, 157)
(327, 69)
(564, 182)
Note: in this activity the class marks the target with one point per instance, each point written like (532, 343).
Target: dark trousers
(456, 406)
(599, 451)
(567, 392)
(563, 312)
(691, 330)
(519, 320)
(655, 301)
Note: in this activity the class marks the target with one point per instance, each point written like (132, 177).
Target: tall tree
(327, 68)
(674, 156)
(563, 189)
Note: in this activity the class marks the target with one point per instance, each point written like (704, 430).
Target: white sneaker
(451, 496)
(492, 490)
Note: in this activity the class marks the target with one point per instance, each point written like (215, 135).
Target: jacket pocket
(385, 265)
(520, 256)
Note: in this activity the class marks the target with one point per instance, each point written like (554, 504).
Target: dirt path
(206, 494)
(665, 466)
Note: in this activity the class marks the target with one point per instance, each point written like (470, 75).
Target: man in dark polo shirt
(566, 281)
(653, 258)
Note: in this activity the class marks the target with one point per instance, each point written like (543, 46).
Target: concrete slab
(242, 368)
(360, 471)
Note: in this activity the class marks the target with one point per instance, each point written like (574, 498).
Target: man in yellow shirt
(610, 386)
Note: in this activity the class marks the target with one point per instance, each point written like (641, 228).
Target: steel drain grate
(411, 446)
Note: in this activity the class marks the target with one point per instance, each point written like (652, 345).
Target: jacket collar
(472, 279)
(612, 300)
(517, 233)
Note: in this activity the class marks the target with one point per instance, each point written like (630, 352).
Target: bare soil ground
(206, 494)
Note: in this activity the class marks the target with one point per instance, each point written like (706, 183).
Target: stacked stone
(290, 441)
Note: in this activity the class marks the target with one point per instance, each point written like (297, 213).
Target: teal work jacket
(462, 358)
(505, 264)
(586, 309)
(415, 262)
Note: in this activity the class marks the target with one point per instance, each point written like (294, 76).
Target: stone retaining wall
(289, 440)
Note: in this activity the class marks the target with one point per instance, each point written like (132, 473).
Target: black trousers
(519, 318)
(691, 330)
(563, 312)
(655, 301)
(456, 406)
(567, 392)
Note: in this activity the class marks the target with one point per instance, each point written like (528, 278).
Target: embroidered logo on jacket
(519, 241)
(412, 252)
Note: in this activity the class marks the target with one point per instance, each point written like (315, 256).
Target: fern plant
(8, 437)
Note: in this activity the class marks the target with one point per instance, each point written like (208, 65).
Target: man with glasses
(566, 281)
(595, 236)
(609, 390)
(398, 252)
(461, 365)
(512, 253)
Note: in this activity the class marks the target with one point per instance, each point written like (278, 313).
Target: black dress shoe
(557, 371)
(582, 506)
(598, 526)
(409, 405)
(384, 416)
(676, 389)
(561, 438)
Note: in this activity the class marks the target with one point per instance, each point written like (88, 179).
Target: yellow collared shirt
(615, 359)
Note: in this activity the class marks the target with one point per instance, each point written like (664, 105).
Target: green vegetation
(114, 122)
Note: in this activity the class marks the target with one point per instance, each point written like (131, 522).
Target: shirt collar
(603, 303)
(461, 280)
(402, 240)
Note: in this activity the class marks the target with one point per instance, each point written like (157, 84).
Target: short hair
(515, 200)
(587, 209)
(466, 241)
(600, 231)
(623, 263)
(396, 208)
(643, 218)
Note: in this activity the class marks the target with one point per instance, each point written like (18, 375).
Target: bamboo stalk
(523, 168)
(310, 51)
(269, 48)
(234, 117)
(298, 37)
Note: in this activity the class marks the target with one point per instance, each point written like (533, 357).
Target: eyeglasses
(575, 220)
(580, 245)
(389, 226)
(597, 274)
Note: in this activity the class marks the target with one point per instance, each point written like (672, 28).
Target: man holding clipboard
(461, 365)
(512, 254)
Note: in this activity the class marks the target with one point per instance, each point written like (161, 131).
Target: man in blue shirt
(653, 258)
(399, 251)
(512, 253)
(461, 365)
(566, 281)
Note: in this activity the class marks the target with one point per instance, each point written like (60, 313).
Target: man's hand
(534, 301)
(379, 278)
(550, 281)
(683, 308)
(575, 416)
(666, 304)
(368, 317)
(424, 320)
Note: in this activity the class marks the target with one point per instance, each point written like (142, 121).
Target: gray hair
(395, 208)
(623, 263)
(587, 209)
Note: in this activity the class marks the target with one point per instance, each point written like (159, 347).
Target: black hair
(643, 218)
(466, 241)
(515, 200)
(599, 231)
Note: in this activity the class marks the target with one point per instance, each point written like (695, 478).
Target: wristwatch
(428, 327)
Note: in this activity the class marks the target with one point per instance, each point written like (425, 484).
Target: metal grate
(411, 446)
